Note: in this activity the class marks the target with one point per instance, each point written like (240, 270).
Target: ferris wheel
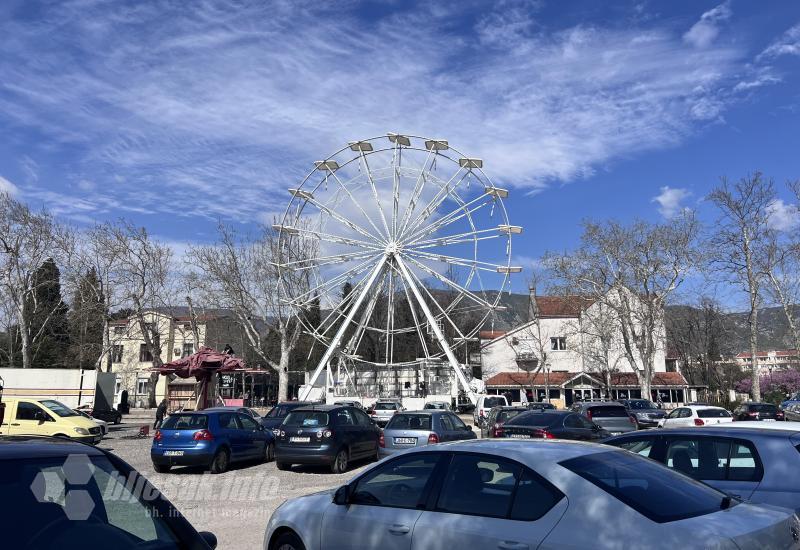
(404, 245)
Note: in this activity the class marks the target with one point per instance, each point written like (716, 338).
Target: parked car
(111, 513)
(326, 434)
(484, 404)
(539, 406)
(103, 425)
(786, 425)
(497, 417)
(517, 495)
(383, 411)
(758, 411)
(695, 415)
(355, 404)
(610, 415)
(47, 417)
(792, 413)
(246, 411)
(645, 413)
(793, 400)
(751, 463)
(552, 425)
(105, 414)
(407, 430)
(440, 405)
(279, 412)
(211, 438)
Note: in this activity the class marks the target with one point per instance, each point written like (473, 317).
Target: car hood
(660, 412)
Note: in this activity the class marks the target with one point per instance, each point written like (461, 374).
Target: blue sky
(173, 114)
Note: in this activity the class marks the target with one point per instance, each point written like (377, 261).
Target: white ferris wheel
(405, 246)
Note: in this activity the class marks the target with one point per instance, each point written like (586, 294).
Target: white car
(514, 495)
(485, 404)
(102, 423)
(695, 415)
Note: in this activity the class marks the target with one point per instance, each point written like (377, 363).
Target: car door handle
(15, 424)
(399, 529)
(511, 545)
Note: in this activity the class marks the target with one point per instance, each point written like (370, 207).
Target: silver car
(407, 430)
(609, 415)
(514, 495)
(383, 411)
(756, 464)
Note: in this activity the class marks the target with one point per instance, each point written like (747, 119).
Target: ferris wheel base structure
(394, 220)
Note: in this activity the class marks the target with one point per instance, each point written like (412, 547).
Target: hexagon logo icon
(62, 486)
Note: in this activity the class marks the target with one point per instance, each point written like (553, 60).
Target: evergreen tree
(86, 322)
(49, 326)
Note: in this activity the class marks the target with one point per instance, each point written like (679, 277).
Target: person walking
(160, 412)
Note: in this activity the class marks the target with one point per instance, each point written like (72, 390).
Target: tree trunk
(755, 392)
(24, 336)
(283, 380)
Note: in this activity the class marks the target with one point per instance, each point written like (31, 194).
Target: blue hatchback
(213, 438)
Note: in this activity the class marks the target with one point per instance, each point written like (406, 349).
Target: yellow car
(47, 417)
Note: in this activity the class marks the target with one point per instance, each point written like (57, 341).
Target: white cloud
(787, 44)
(783, 216)
(8, 187)
(705, 31)
(670, 201)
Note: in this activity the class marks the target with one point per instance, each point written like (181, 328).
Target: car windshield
(115, 506)
(490, 402)
(642, 404)
(387, 406)
(434, 406)
(311, 419)
(608, 411)
(250, 412)
(646, 486)
(535, 418)
(410, 422)
(185, 422)
(504, 416)
(58, 407)
(279, 411)
(713, 413)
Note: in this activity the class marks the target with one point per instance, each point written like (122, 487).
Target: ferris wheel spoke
(397, 159)
(412, 307)
(366, 314)
(448, 242)
(455, 260)
(445, 240)
(336, 216)
(375, 194)
(357, 204)
(388, 354)
(464, 210)
(440, 196)
(328, 260)
(341, 309)
(327, 237)
(360, 268)
(435, 301)
(450, 283)
(419, 185)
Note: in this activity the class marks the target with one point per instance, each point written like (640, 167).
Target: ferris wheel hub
(392, 248)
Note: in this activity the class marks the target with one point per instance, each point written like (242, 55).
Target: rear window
(306, 418)
(387, 406)
(608, 411)
(185, 422)
(713, 413)
(646, 486)
(410, 422)
(489, 402)
(763, 408)
(279, 411)
(535, 418)
(505, 416)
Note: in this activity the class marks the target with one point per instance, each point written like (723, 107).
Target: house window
(187, 326)
(188, 349)
(144, 354)
(116, 354)
(558, 343)
(119, 329)
(142, 386)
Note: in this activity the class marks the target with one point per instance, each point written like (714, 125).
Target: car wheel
(161, 468)
(339, 464)
(220, 462)
(283, 466)
(269, 452)
(287, 541)
(377, 456)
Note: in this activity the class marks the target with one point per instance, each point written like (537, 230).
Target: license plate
(615, 433)
(519, 436)
(300, 439)
(173, 453)
(769, 420)
(405, 441)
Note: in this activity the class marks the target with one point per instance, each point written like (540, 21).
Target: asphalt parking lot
(236, 505)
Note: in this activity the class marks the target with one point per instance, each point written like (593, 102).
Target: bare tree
(27, 240)
(598, 330)
(632, 271)
(241, 275)
(739, 243)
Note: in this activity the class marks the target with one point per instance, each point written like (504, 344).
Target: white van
(484, 405)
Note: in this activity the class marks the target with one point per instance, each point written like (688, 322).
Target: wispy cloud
(787, 44)
(8, 187)
(212, 109)
(705, 31)
(670, 201)
(783, 216)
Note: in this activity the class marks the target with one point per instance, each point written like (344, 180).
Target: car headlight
(81, 431)
(642, 415)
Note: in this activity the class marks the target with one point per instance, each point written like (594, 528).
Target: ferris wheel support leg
(436, 330)
(334, 345)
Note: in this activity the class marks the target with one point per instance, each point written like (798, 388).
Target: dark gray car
(609, 415)
(754, 464)
(644, 412)
(407, 430)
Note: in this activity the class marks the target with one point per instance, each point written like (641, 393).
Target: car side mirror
(209, 538)
(342, 495)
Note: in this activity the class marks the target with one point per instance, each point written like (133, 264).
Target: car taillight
(632, 420)
(544, 434)
(589, 414)
(203, 435)
(497, 430)
(382, 441)
(699, 422)
(157, 436)
(433, 438)
(779, 414)
(752, 414)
